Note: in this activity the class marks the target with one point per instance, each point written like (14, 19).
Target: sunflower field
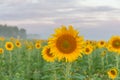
(66, 55)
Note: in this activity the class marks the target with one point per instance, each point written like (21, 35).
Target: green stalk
(68, 73)
(102, 62)
(2, 61)
(39, 62)
(28, 64)
(89, 62)
(55, 75)
(10, 66)
(54, 71)
(106, 59)
(117, 61)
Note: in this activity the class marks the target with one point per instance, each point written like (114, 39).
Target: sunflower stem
(10, 66)
(38, 56)
(117, 61)
(102, 62)
(89, 62)
(3, 60)
(28, 66)
(55, 73)
(106, 56)
(68, 73)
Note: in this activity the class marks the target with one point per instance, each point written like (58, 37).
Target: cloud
(103, 30)
(40, 16)
(27, 9)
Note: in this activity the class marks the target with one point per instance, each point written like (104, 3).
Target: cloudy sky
(95, 19)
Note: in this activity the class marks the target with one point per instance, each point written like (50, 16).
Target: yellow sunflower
(18, 44)
(109, 48)
(66, 44)
(101, 44)
(47, 55)
(112, 73)
(1, 51)
(2, 38)
(38, 41)
(29, 46)
(9, 46)
(88, 49)
(114, 43)
(37, 45)
(12, 39)
(87, 42)
(103, 53)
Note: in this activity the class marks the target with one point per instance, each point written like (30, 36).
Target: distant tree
(12, 31)
(22, 33)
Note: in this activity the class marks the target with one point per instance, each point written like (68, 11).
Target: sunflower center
(48, 53)
(116, 44)
(87, 50)
(9, 46)
(113, 72)
(102, 43)
(38, 45)
(18, 43)
(66, 43)
(0, 50)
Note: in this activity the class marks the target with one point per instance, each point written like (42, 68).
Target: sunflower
(101, 44)
(1, 51)
(88, 49)
(12, 39)
(103, 53)
(114, 43)
(87, 42)
(66, 44)
(47, 55)
(112, 73)
(38, 41)
(18, 44)
(92, 43)
(37, 45)
(9, 46)
(29, 46)
(2, 38)
(109, 48)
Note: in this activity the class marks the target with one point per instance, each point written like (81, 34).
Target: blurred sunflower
(103, 53)
(18, 44)
(92, 43)
(9, 46)
(101, 44)
(2, 38)
(12, 39)
(112, 73)
(66, 44)
(109, 48)
(47, 55)
(87, 42)
(37, 45)
(29, 46)
(1, 51)
(38, 41)
(88, 49)
(114, 43)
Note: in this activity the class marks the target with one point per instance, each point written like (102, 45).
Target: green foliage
(12, 31)
(23, 64)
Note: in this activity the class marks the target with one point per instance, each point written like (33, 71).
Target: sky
(94, 19)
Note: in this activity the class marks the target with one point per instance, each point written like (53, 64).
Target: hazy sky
(95, 19)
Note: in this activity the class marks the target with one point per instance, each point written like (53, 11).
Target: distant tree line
(12, 31)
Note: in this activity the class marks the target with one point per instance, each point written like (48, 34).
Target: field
(28, 60)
